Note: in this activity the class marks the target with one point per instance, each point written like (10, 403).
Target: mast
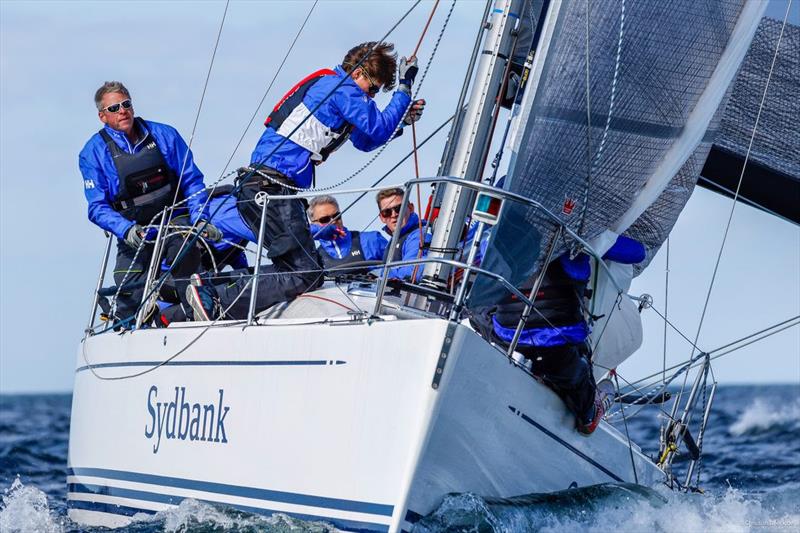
(473, 140)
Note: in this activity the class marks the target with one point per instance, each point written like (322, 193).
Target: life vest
(355, 255)
(146, 184)
(559, 301)
(290, 112)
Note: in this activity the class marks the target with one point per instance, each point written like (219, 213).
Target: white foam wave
(24, 508)
(730, 512)
(191, 514)
(761, 415)
(673, 512)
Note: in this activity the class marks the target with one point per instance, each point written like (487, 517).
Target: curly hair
(380, 63)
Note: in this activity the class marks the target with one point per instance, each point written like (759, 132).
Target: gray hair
(320, 200)
(109, 87)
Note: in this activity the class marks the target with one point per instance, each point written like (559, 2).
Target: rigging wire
(738, 187)
(168, 211)
(250, 174)
(271, 83)
(756, 336)
(666, 311)
(243, 291)
(627, 435)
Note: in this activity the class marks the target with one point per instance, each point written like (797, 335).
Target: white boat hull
(328, 421)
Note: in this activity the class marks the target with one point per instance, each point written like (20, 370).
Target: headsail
(619, 102)
(772, 177)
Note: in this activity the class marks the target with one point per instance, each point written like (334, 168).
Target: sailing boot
(203, 299)
(603, 398)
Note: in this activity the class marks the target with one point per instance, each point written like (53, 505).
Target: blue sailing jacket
(347, 105)
(101, 181)
(408, 248)
(373, 244)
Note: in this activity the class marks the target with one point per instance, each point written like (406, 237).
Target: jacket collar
(121, 139)
(413, 222)
(341, 72)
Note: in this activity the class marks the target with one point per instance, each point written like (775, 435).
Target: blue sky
(53, 55)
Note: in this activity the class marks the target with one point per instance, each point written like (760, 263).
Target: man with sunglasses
(340, 247)
(132, 169)
(319, 114)
(409, 244)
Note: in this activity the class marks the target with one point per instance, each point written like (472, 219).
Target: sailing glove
(210, 231)
(414, 112)
(134, 236)
(326, 232)
(408, 71)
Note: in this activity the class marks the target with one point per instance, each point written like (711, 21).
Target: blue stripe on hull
(126, 510)
(236, 490)
(564, 443)
(322, 362)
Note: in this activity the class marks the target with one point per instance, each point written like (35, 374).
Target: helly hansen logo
(180, 420)
(88, 184)
(151, 145)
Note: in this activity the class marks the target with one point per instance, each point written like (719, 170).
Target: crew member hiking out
(132, 169)
(554, 337)
(313, 119)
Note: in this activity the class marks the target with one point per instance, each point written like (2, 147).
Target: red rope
(414, 146)
(425, 30)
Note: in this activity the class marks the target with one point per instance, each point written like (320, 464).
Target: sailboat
(363, 403)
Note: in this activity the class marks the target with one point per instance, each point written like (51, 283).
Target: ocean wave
(193, 515)
(613, 507)
(24, 508)
(762, 415)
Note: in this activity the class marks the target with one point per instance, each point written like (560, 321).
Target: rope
(414, 144)
(613, 85)
(245, 178)
(588, 128)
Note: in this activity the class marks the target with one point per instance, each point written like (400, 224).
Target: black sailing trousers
(296, 266)
(134, 273)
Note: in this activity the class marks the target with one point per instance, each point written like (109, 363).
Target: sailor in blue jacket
(313, 119)
(132, 169)
(340, 247)
(409, 245)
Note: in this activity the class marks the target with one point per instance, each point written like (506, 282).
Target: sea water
(750, 475)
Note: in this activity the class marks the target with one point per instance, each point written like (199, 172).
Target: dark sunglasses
(373, 88)
(386, 213)
(114, 108)
(328, 219)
